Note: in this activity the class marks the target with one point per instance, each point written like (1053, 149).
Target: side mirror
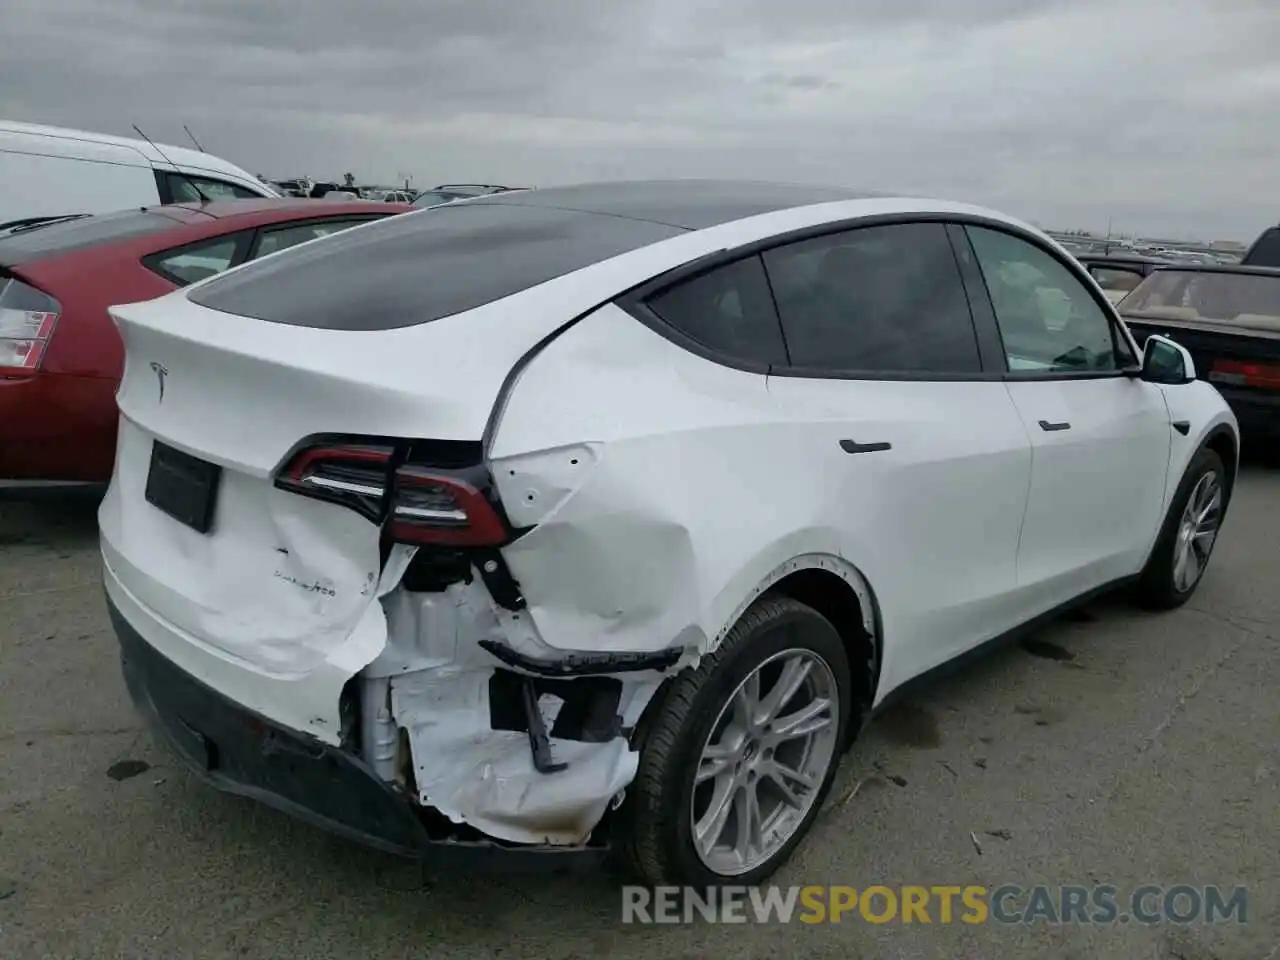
(1166, 362)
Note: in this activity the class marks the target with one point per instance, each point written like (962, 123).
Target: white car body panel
(54, 171)
(973, 522)
(1090, 508)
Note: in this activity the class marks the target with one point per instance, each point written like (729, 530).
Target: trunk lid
(279, 581)
(1221, 351)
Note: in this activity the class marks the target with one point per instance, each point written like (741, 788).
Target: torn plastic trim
(584, 663)
(481, 745)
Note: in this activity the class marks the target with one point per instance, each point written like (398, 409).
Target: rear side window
(282, 238)
(197, 261)
(728, 310)
(1116, 278)
(420, 266)
(1265, 251)
(886, 299)
(26, 245)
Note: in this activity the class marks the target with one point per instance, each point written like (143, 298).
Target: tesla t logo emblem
(161, 372)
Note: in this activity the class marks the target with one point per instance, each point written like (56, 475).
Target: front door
(1100, 437)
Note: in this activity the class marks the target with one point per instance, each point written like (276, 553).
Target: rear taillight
(1243, 373)
(27, 319)
(452, 508)
(397, 484)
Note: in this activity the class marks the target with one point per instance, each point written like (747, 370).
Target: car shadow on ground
(58, 518)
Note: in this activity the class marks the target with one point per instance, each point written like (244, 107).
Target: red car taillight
(398, 485)
(27, 319)
(1247, 374)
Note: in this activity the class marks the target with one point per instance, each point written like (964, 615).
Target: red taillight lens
(434, 507)
(27, 319)
(1247, 374)
(353, 476)
(419, 504)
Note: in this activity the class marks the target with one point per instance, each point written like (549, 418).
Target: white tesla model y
(603, 516)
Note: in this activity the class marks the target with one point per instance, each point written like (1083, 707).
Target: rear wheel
(741, 752)
(1187, 539)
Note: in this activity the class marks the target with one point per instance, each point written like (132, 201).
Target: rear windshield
(417, 267)
(1265, 251)
(1245, 298)
(28, 244)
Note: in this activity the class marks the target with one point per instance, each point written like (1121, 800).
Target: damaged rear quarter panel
(678, 514)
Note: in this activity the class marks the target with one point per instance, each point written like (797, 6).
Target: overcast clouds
(1161, 114)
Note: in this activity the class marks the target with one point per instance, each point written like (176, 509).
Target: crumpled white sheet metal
(439, 694)
(486, 778)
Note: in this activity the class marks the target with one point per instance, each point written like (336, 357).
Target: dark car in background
(1118, 273)
(1228, 317)
(1265, 251)
(61, 357)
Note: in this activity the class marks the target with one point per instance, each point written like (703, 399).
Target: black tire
(654, 828)
(1156, 588)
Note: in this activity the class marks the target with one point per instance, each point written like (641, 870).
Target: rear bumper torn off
(243, 753)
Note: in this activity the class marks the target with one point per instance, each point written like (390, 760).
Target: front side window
(728, 310)
(884, 299)
(197, 261)
(1048, 320)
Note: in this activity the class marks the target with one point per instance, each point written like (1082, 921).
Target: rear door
(927, 461)
(1100, 437)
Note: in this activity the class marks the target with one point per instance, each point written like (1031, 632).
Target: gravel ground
(1114, 748)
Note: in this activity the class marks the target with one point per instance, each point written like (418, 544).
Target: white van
(53, 171)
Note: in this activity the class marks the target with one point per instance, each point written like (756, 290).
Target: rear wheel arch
(1222, 440)
(837, 590)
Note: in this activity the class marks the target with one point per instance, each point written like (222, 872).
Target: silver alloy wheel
(764, 761)
(1197, 532)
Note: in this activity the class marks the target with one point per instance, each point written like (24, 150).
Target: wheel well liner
(836, 599)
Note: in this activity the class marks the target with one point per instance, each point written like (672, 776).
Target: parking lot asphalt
(1116, 747)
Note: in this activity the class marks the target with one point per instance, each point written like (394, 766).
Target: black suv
(1265, 251)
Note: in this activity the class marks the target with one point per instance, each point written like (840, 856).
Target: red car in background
(60, 354)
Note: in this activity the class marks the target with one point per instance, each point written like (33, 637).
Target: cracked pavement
(1113, 747)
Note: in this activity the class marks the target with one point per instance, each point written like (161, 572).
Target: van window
(182, 189)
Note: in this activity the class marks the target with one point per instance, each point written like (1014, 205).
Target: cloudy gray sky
(1158, 114)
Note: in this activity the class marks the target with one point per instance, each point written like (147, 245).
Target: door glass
(1118, 279)
(197, 262)
(1048, 320)
(885, 299)
(184, 190)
